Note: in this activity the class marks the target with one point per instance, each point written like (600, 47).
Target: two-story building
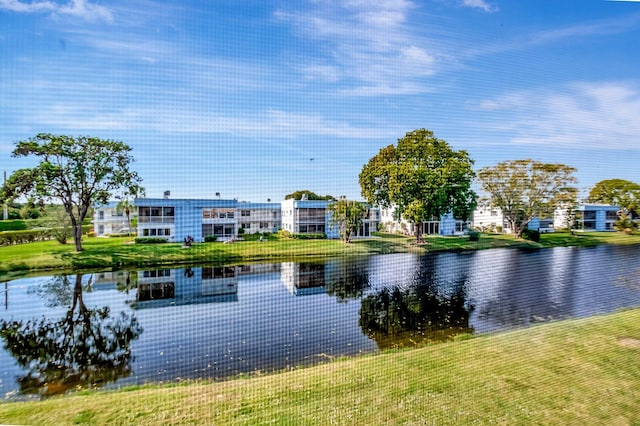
(177, 219)
(315, 217)
(446, 224)
(589, 217)
(109, 219)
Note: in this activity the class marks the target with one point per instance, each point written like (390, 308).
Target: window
(218, 272)
(245, 225)
(264, 225)
(245, 213)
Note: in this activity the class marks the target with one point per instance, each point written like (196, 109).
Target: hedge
(150, 240)
(12, 225)
(8, 238)
(319, 236)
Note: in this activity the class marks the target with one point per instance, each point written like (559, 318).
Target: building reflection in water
(303, 279)
(184, 286)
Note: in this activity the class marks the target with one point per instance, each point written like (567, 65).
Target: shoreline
(565, 372)
(113, 253)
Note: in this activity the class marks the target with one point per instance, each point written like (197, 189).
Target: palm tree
(126, 205)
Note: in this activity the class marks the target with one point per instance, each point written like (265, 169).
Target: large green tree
(526, 189)
(309, 195)
(77, 171)
(617, 192)
(422, 177)
(348, 216)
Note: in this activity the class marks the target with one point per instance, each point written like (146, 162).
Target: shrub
(284, 234)
(531, 235)
(25, 236)
(150, 240)
(317, 236)
(12, 225)
(474, 235)
(241, 231)
(210, 239)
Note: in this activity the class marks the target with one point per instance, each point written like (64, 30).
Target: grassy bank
(574, 372)
(119, 252)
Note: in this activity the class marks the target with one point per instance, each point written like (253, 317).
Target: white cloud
(187, 118)
(370, 48)
(77, 8)
(584, 115)
(480, 4)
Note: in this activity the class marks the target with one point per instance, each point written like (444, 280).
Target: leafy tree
(617, 192)
(423, 177)
(77, 171)
(348, 216)
(87, 347)
(625, 224)
(525, 189)
(298, 195)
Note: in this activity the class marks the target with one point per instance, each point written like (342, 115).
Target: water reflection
(184, 286)
(303, 279)
(87, 347)
(348, 280)
(220, 321)
(416, 315)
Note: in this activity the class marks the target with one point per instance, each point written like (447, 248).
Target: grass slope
(573, 372)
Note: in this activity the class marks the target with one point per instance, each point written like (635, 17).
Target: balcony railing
(155, 219)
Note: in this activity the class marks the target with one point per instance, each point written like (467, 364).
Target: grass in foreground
(575, 372)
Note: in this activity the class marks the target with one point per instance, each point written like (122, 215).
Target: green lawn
(120, 252)
(573, 372)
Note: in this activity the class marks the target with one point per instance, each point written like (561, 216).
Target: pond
(160, 325)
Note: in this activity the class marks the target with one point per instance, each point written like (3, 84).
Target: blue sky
(256, 99)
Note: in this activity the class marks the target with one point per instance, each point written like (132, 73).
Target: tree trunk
(418, 232)
(77, 236)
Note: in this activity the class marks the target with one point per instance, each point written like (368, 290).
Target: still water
(130, 327)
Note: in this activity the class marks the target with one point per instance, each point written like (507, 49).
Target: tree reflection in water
(347, 280)
(415, 316)
(86, 348)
